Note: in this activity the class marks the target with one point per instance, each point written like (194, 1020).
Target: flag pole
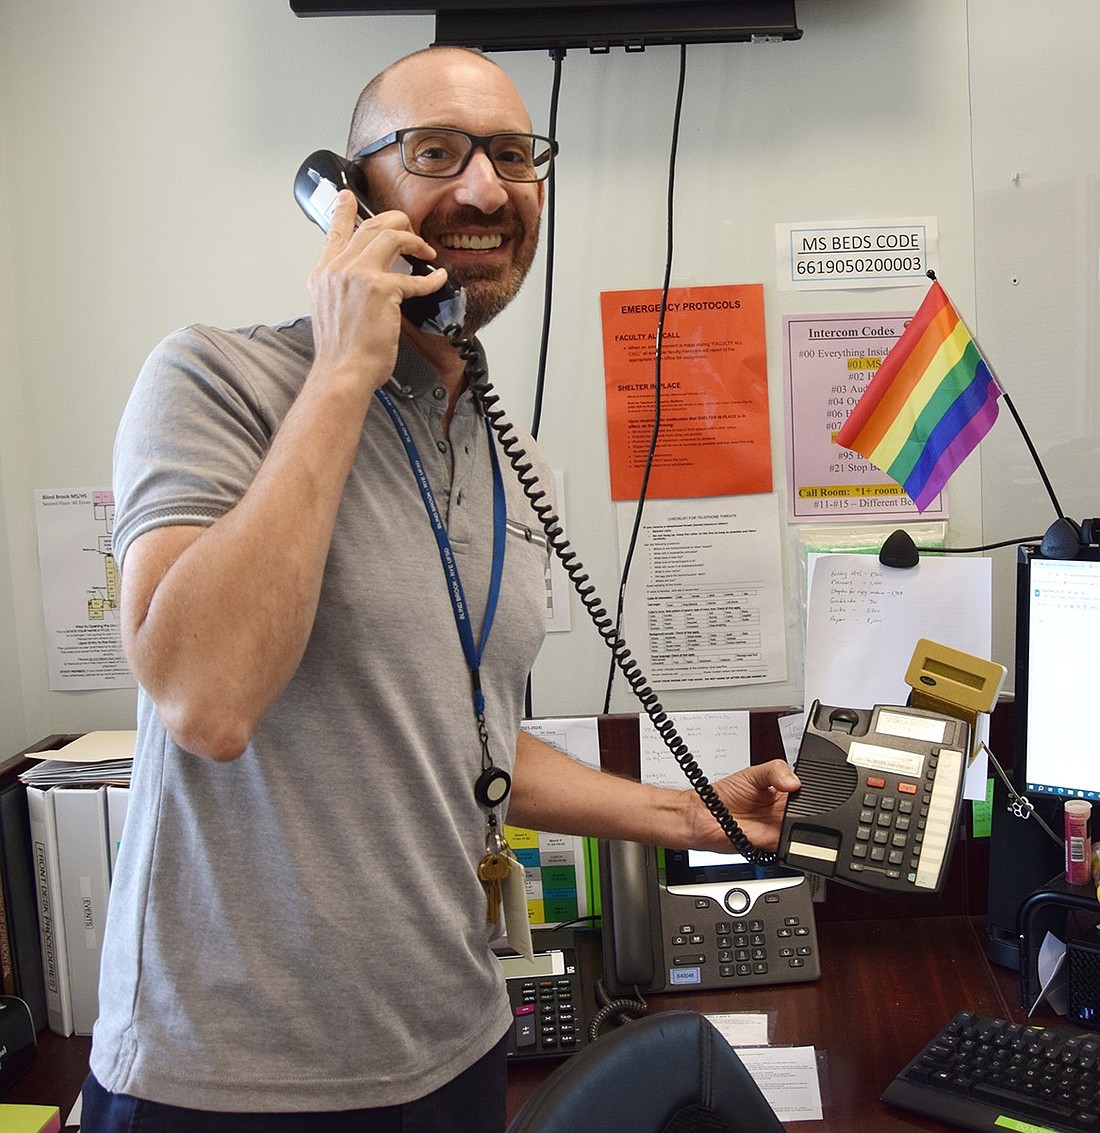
(1031, 449)
(1019, 424)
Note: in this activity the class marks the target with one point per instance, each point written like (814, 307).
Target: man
(297, 925)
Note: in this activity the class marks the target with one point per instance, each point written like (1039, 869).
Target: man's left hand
(756, 797)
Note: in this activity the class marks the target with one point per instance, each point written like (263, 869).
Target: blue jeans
(474, 1102)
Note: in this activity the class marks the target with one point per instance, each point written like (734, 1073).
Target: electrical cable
(984, 547)
(478, 381)
(628, 558)
(900, 550)
(334, 172)
(617, 1011)
(557, 54)
(1022, 806)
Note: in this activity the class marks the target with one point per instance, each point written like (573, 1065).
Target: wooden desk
(59, 1070)
(886, 986)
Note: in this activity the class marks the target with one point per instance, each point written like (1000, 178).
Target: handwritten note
(864, 620)
(861, 598)
(719, 743)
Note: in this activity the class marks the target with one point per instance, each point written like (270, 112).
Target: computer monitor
(1057, 680)
(1057, 676)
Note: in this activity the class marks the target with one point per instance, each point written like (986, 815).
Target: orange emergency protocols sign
(714, 437)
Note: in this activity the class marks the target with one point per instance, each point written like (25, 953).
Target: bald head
(393, 98)
(483, 228)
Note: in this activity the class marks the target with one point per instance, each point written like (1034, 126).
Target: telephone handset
(320, 178)
(630, 905)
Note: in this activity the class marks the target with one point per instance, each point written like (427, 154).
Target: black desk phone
(547, 995)
(882, 787)
(701, 920)
(319, 179)
(880, 797)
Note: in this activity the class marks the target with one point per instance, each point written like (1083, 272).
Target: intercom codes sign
(714, 437)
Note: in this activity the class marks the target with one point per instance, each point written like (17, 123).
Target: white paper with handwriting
(864, 621)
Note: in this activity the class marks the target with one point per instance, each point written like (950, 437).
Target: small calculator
(547, 1004)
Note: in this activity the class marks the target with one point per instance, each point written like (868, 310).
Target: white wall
(13, 728)
(147, 155)
(1036, 106)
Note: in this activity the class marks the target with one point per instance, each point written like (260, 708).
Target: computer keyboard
(991, 1074)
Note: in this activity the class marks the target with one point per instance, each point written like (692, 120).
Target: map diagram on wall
(80, 589)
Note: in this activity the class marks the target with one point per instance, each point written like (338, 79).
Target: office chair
(669, 1073)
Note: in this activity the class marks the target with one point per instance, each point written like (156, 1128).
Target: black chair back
(668, 1073)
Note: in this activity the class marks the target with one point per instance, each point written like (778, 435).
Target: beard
(488, 290)
(489, 287)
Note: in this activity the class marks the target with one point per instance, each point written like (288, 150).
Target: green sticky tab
(982, 814)
(1022, 1126)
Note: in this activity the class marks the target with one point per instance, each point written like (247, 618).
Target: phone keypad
(905, 827)
(891, 829)
(547, 1021)
(752, 948)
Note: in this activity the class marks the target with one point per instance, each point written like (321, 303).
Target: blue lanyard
(446, 555)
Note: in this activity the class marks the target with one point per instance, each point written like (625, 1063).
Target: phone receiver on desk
(632, 930)
(320, 178)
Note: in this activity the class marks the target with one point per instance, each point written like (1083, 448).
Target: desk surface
(885, 988)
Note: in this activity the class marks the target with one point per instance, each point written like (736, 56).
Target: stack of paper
(76, 809)
(94, 758)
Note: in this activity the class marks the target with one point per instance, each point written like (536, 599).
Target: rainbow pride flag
(930, 403)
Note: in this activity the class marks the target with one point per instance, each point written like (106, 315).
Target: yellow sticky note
(30, 1118)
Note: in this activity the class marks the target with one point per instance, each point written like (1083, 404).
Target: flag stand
(1062, 538)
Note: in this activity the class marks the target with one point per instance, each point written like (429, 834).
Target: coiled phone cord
(617, 1011)
(478, 381)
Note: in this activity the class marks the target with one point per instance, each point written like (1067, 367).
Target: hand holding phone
(319, 181)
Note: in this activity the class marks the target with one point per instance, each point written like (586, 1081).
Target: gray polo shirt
(303, 928)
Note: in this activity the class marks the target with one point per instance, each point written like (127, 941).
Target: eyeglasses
(439, 151)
